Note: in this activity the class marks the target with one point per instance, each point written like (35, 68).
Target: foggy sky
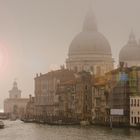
(35, 34)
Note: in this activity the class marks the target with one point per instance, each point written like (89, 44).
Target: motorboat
(85, 123)
(1, 124)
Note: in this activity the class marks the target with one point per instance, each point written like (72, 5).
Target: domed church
(130, 53)
(90, 50)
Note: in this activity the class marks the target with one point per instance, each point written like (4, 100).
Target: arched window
(135, 102)
(138, 103)
(131, 102)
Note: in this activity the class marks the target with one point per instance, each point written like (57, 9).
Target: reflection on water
(18, 130)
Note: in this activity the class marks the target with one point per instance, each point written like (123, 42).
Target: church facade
(15, 105)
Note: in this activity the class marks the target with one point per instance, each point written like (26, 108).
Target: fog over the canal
(35, 34)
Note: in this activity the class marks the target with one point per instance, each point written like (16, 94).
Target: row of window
(135, 120)
(133, 113)
(135, 102)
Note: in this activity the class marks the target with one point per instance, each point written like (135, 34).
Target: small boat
(1, 124)
(84, 123)
(58, 122)
(28, 120)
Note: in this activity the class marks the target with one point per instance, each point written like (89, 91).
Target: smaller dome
(131, 51)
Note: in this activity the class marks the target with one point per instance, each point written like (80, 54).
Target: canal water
(17, 130)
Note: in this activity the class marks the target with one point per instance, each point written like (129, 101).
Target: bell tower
(15, 93)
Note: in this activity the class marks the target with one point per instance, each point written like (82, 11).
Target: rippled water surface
(17, 130)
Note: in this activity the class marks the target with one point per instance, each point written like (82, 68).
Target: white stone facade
(134, 110)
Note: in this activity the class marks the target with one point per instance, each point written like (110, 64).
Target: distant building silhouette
(15, 92)
(15, 105)
(130, 53)
(90, 50)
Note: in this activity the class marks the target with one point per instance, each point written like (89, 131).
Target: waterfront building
(67, 98)
(90, 50)
(134, 82)
(75, 97)
(111, 94)
(84, 96)
(135, 110)
(72, 97)
(119, 96)
(46, 96)
(100, 95)
(15, 105)
(30, 109)
(64, 94)
(117, 88)
(127, 81)
(129, 54)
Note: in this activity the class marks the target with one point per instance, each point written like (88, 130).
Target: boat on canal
(85, 123)
(28, 120)
(1, 124)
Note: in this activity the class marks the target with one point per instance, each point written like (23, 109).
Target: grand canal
(17, 130)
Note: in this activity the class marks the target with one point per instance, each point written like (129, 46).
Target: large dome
(88, 42)
(90, 50)
(131, 51)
